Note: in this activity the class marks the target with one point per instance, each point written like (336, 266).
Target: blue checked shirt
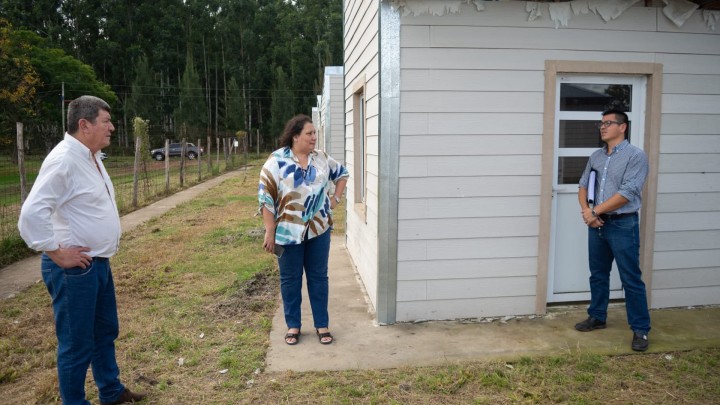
(623, 171)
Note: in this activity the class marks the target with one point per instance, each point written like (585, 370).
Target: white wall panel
(688, 202)
(451, 166)
(465, 308)
(461, 228)
(467, 268)
(480, 288)
(687, 240)
(505, 206)
(683, 297)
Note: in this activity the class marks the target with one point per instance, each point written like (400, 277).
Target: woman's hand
(269, 241)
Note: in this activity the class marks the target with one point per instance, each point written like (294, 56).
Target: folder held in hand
(591, 187)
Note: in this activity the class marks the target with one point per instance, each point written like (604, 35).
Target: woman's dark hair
(293, 127)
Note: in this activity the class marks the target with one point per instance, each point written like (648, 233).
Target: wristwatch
(593, 213)
(337, 199)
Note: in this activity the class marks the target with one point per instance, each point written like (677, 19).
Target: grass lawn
(151, 187)
(196, 296)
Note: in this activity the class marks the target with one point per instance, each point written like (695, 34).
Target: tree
(144, 99)
(31, 83)
(19, 82)
(191, 113)
(235, 109)
(282, 106)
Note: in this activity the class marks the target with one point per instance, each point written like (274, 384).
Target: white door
(580, 101)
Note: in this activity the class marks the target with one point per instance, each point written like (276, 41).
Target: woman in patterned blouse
(297, 214)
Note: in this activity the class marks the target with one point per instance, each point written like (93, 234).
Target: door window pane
(579, 134)
(595, 97)
(570, 169)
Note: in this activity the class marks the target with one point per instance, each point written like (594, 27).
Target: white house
(468, 123)
(331, 127)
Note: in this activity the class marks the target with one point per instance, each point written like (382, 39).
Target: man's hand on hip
(70, 257)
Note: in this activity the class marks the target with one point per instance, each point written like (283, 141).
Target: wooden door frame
(653, 72)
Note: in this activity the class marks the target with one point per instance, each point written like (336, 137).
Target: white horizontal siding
(451, 166)
(464, 308)
(460, 228)
(688, 182)
(472, 80)
(513, 59)
(682, 297)
(691, 84)
(468, 102)
(689, 163)
(690, 125)
(691, 103)
(687, 240)
(481, 248)
(687, 221)
(708, 276)
(490, 186)
(688, 202)
(467, 268)
(361, 62)
(686, 259)
(504, 206)
(470, 145)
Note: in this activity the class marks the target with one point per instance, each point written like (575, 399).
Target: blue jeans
(311, 255)
(86, 325)
(618, 239)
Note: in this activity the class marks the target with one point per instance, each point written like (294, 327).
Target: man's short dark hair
(620, 116)
(84, 107)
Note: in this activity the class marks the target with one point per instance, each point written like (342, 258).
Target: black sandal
(295, 336)
(325, 335)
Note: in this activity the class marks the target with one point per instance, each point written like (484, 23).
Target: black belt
(605, 217)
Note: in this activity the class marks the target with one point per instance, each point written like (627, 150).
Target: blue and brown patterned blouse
(298, 198)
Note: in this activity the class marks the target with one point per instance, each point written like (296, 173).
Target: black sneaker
(640, 342)
(590, 324)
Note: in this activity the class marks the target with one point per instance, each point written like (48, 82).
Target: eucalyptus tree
(144, 98)
(191, 114)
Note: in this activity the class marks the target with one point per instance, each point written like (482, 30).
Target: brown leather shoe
(125, 397)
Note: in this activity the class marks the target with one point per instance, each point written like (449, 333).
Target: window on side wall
(360, 151)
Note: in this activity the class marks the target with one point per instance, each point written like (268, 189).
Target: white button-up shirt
(72, 203)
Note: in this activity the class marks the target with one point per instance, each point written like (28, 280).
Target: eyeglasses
(605, 124)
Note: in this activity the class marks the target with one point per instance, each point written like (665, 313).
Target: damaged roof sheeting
(677, 11)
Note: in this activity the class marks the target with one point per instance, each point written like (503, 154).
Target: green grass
(120, 168)
(193, 285)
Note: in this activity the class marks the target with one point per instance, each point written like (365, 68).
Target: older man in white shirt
(71, 216)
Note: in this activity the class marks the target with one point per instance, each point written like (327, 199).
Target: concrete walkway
(362, 344)
(18, 276)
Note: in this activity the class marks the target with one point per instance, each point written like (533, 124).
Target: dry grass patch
(196, 296)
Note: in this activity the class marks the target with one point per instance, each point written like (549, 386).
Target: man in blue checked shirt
(613, 228)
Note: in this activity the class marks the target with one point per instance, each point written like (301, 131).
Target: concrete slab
(362, 344)
(18, 276)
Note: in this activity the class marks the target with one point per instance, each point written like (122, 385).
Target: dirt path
(18, 276)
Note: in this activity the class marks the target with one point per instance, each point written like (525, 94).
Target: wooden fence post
(199, 159)
(209, 155)
(167, 166)
(183, 151)
(136, 169)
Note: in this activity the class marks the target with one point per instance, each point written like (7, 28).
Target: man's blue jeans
(86, 325)
(312, 255)
(618, 239)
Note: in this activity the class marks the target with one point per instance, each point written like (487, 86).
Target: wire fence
(155, 179)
